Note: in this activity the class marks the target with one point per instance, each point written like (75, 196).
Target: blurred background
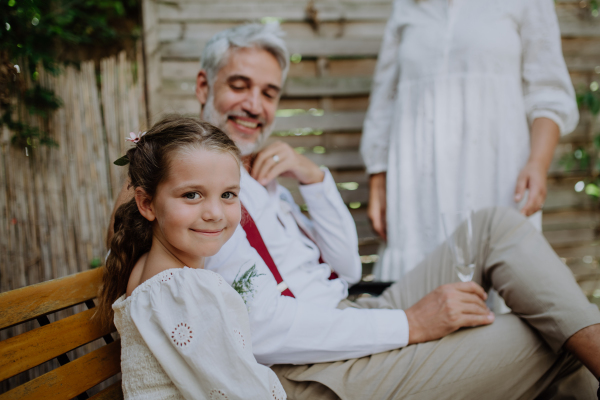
(77, 76)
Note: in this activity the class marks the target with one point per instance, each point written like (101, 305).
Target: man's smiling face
(244, 96)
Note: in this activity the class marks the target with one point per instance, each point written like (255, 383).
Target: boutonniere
(243, 284)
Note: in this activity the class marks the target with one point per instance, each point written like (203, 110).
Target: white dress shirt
(308, 328)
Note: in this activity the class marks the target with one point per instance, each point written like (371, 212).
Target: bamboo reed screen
(55, 202)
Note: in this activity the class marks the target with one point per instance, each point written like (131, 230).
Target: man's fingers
(474, 308)
(472, 299)
(472, 287)
(476, 320)
(263, 157)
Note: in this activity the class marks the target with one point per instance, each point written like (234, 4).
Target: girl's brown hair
(148, 167)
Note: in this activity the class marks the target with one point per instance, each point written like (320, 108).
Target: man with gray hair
(408, 342)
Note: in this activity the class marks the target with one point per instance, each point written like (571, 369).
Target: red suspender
(258, 243)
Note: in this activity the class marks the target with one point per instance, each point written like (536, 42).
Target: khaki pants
(519, 356)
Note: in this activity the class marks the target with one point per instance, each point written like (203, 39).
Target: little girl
(184, 332)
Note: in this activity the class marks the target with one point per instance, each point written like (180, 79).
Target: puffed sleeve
(547, 86)
(376, 127)
(197, 328)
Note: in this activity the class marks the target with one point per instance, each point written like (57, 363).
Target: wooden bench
(53, 340)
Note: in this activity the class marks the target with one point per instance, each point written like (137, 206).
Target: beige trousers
(519, 356)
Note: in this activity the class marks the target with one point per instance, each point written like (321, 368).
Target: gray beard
(212, 116)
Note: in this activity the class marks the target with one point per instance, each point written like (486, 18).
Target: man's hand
(279, 159)
(377, 204)
(447, 309)
(532, 177)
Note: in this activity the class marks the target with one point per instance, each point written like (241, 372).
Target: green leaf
(122, 161)
(592, 190)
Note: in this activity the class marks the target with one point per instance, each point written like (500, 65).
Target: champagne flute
(458, 228)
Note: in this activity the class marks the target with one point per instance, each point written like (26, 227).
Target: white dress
(456, 87)
(185, 335)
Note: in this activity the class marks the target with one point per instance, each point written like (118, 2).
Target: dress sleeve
(547, 86)
(197, 328)
(376, 128)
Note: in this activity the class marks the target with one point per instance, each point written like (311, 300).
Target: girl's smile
(196, 209)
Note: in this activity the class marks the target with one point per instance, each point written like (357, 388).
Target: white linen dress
(185, 335)
(456, 87)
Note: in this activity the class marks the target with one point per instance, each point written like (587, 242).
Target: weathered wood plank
(354, 47)
(571, 19)
(113, 392)
(294, 86)
(24, 304)
(73, 378)
(574, 22)
(330, 121)
(32, 348)
(184, 30)
(294, 11)
(298, 87)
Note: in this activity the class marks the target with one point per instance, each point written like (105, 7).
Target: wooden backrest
(54, 340)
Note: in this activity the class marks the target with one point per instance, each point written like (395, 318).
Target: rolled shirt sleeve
(333, 227)
(547, 87)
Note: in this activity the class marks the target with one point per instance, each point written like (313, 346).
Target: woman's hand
(544, 137)
(532, 177)
(377, 204)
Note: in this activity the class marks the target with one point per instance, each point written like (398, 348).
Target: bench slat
(73, 378)
(24, 304)
(113, 392)
(25, 351)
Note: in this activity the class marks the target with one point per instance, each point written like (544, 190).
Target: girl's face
(197, 207)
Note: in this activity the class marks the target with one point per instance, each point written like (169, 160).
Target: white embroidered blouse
(185, 335)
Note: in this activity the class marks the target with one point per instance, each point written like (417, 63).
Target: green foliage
(41, 101)
(243, 285)
(579, 159)
(35, 29)
(589, 100)
(50, 33)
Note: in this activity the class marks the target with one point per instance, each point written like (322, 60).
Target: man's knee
(497, 217)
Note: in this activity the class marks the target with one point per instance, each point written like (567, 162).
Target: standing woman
(469, 100)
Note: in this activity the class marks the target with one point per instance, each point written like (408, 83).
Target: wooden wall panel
(334, 75)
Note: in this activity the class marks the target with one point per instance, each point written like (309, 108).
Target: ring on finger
(276, 158)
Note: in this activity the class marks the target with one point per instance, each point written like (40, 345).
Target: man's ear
(144, 203)
(202, 87)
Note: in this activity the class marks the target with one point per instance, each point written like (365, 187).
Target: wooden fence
(55, 202)
(326, 94)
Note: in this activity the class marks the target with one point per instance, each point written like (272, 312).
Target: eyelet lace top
(185, 335)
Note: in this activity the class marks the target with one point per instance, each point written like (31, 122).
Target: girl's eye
(192, 195)
(228, 195)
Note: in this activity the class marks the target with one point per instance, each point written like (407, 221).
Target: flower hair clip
(133, 138)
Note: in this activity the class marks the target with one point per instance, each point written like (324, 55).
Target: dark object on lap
(372, 288)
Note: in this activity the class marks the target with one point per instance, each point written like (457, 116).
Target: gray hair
(264, 36)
